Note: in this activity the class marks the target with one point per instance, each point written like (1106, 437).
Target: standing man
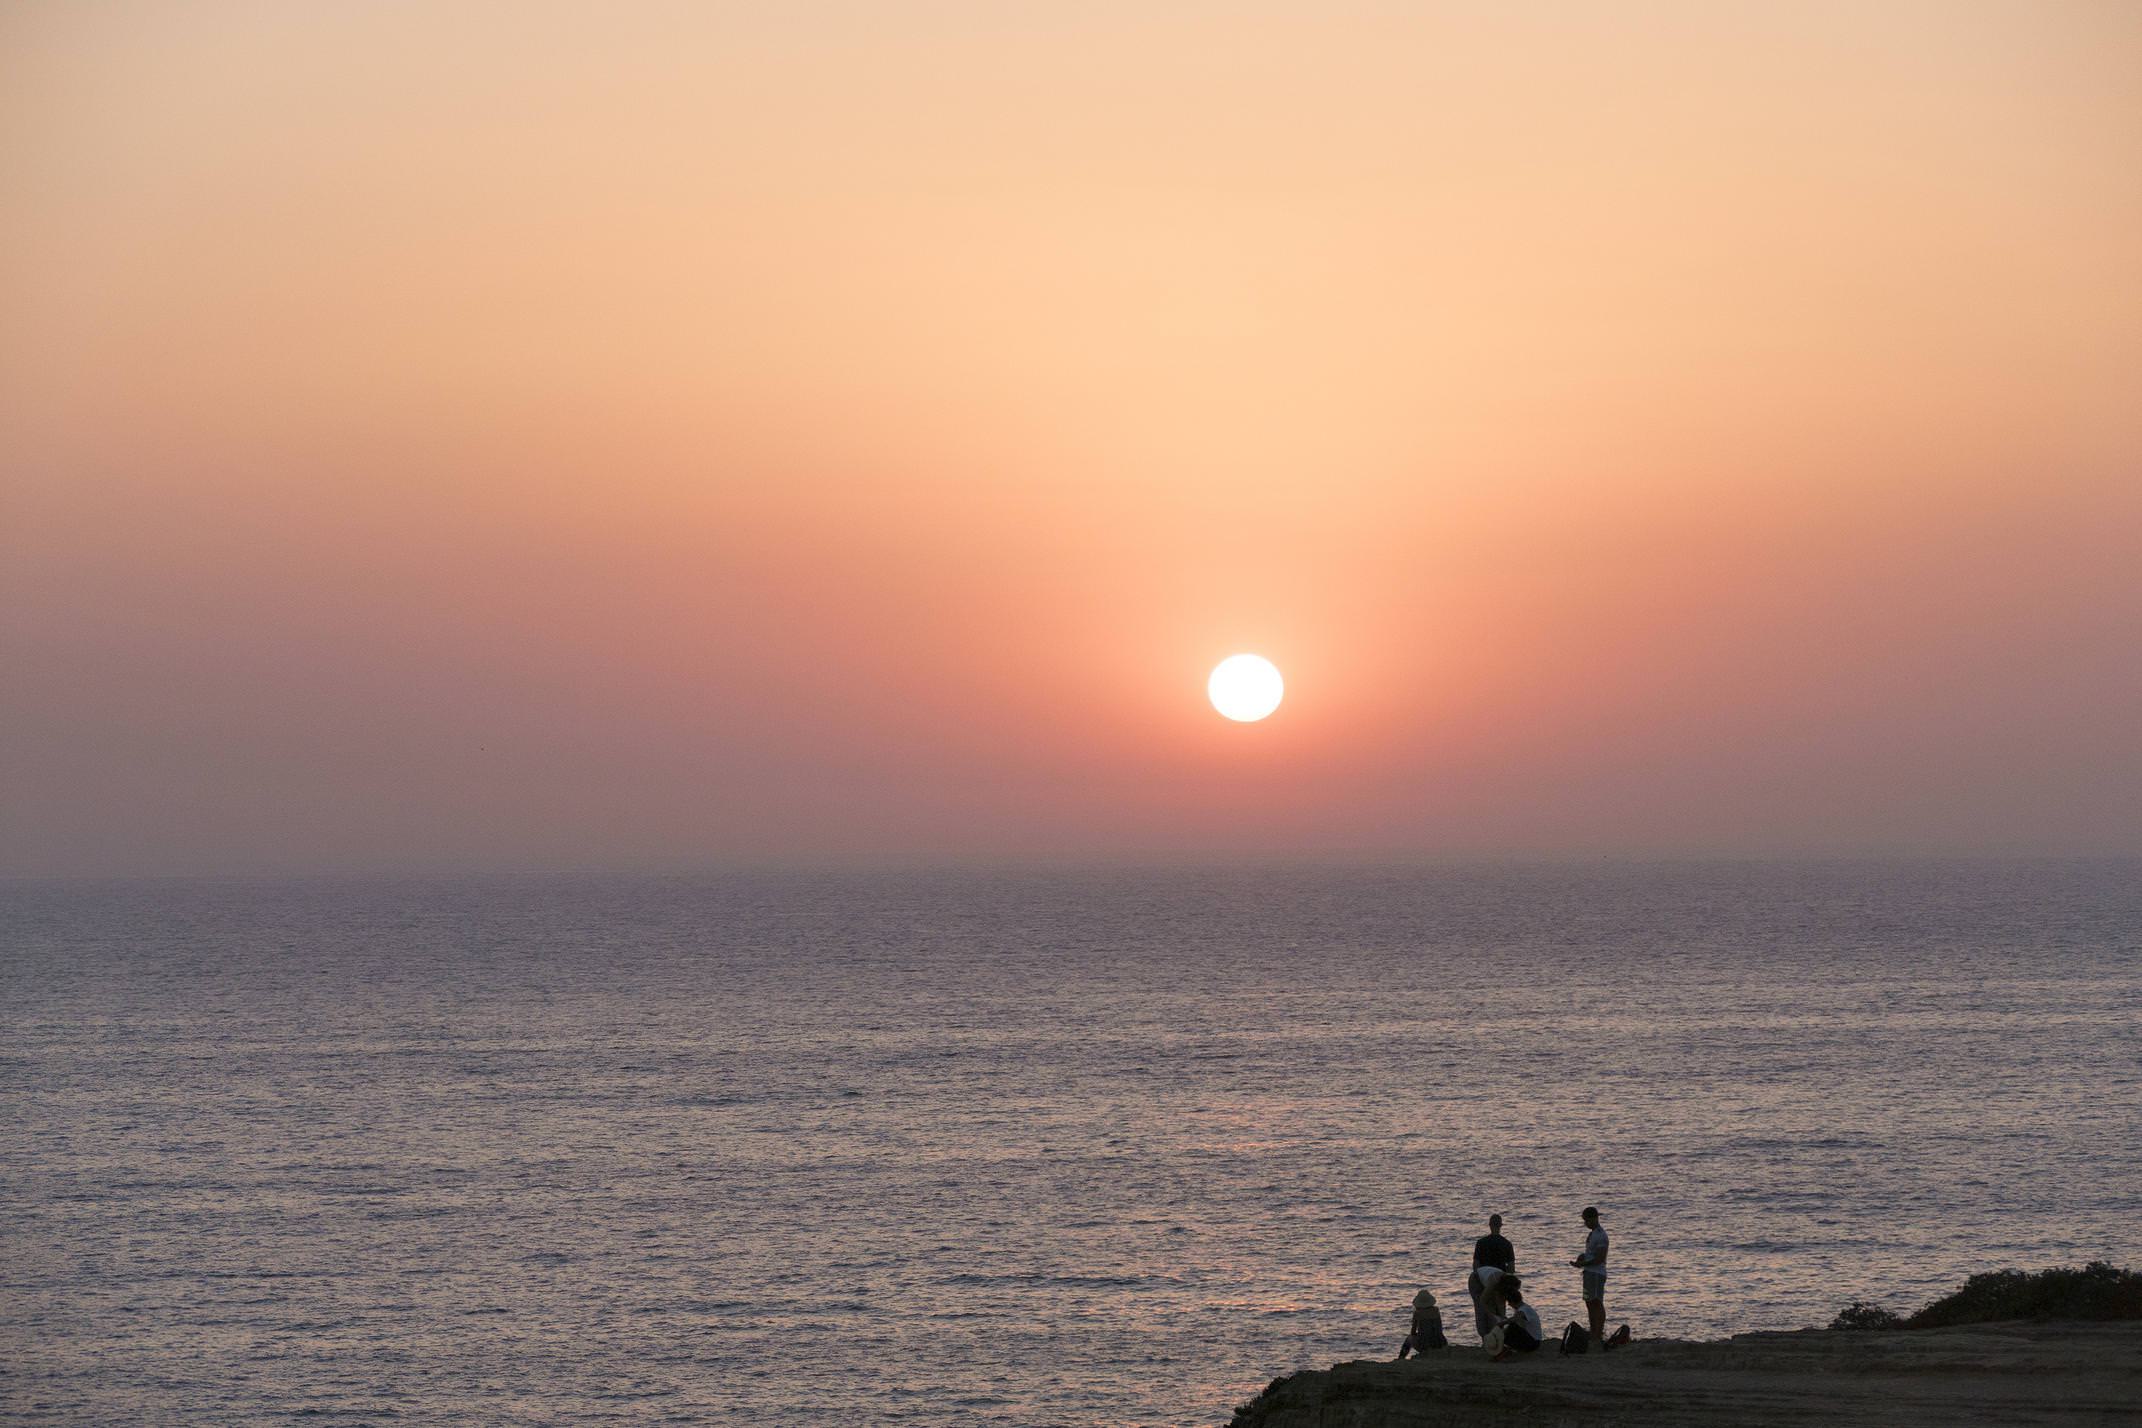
(1593, 1263)
(1490, 1251)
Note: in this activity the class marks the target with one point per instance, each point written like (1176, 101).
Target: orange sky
(454, 435)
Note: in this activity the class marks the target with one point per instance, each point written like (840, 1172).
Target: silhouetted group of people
(1507, 1325)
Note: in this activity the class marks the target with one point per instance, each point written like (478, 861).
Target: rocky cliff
(2018, 1373)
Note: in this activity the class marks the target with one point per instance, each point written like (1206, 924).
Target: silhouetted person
(1492, 1248)
(1521, 1327)
(1485, 1285)
(1492, 1251)
(1427, 1327)
(1593, 1263)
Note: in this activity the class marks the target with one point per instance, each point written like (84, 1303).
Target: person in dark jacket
(1492, 1248)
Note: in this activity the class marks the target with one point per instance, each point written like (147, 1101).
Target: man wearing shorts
(1593, 1263)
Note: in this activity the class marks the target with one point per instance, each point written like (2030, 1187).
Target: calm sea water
(1081, 1148)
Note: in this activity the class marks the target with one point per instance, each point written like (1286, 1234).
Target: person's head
(1513, 1292)
(1591, 1216)
(1494, 1224)
(1424, 1300)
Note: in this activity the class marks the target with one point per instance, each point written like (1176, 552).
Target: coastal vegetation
(2096, 1292)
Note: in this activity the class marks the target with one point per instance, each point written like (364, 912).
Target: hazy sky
(466, 435)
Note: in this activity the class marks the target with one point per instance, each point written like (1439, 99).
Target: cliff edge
(2018, 1373)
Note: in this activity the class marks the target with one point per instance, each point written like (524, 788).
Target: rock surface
(1985, 1373)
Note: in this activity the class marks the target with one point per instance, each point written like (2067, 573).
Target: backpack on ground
(1576, 1338)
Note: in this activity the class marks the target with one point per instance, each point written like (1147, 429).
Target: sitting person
(1427, 1327)
(1519, 1332)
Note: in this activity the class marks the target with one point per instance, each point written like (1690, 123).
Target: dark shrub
(2097, 1291)
(1866, 1316)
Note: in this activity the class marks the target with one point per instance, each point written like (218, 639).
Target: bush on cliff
(2097, 1291)
(1860, 1315)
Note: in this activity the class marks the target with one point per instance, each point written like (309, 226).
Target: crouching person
(1427, 1327)
(1519, 1332)
(1485, 1286)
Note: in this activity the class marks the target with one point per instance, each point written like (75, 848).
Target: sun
(1245, 687)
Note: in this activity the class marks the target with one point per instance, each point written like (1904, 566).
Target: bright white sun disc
(1245, 687)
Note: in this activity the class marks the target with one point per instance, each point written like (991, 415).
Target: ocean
(1080, 1147)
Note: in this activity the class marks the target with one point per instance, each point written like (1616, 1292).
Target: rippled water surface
(1079, 1148)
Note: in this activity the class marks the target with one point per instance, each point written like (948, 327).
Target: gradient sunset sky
(443, 435)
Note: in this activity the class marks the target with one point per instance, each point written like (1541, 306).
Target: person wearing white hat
(1427, 1327)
